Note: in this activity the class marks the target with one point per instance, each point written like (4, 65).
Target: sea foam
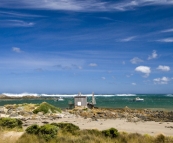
(62, 95)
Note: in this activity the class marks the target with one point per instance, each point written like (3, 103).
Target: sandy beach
(148, 127)
(142, 127)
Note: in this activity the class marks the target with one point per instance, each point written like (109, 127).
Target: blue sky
(101, 46)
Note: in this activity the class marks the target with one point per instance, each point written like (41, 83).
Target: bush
(112, 132)
(45, 108)
(48, 131)
(33, 129)
(10, 123)
(160, 139)
(67, 127)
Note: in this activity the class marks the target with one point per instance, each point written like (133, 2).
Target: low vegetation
(112, 133)
(67, 127)
(10, 123)
(69, 133)
(46, 108)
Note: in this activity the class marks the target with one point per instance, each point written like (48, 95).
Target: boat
(59, 99)
(137, 99)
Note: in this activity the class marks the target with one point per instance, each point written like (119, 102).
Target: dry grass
(88, 136)
(9, 136)
(82, 136)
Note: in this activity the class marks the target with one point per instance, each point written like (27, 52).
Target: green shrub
(45, 108)
(112, 132)
(33, 129)
(10, 123)
(160, 139)
(67, 127)
(48, 131)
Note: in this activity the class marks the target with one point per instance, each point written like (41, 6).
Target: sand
(149, 127)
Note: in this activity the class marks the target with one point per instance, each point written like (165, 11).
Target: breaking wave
(125, 94)
(169, 95)
(61, 95)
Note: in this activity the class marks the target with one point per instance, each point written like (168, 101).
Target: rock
(10, 111)
(3, 110)
(3, 115)
(19, 109)
(60, 115)
(45, 122)
(40, 113)
(13, 114)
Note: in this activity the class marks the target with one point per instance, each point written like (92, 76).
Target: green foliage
(160, 139)
(33, 129)
(48, 131)
(47, 134)
(112, 132)
(10, 123)
(67, 127)
(46, 108)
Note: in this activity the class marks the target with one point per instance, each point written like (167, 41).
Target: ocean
(151, 101)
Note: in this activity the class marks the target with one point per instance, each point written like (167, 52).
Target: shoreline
(123, 119)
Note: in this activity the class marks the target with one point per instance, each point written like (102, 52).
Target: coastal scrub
(10, 123)
(46, 108)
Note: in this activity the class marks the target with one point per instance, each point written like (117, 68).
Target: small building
(80, 101)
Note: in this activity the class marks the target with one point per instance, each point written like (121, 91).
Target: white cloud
(17, 50)
(163, 80)
(143, 69)
(133, 83)
(103, 78)
(93, 65)
(136, 60)
(166, 40)
(153, 56)
(163, 68)
(128, 39)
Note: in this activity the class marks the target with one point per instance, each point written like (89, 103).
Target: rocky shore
(129, 120)
(25, 113)
(132, 115)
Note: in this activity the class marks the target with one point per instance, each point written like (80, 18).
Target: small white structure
(80, 101)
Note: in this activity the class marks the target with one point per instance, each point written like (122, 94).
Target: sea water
(151, 101)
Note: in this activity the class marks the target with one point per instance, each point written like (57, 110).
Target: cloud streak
(77, 5)
(93, 65)
(166, 40)
(16, 23)
(167, 30)
(128, 39)
(16, 14)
